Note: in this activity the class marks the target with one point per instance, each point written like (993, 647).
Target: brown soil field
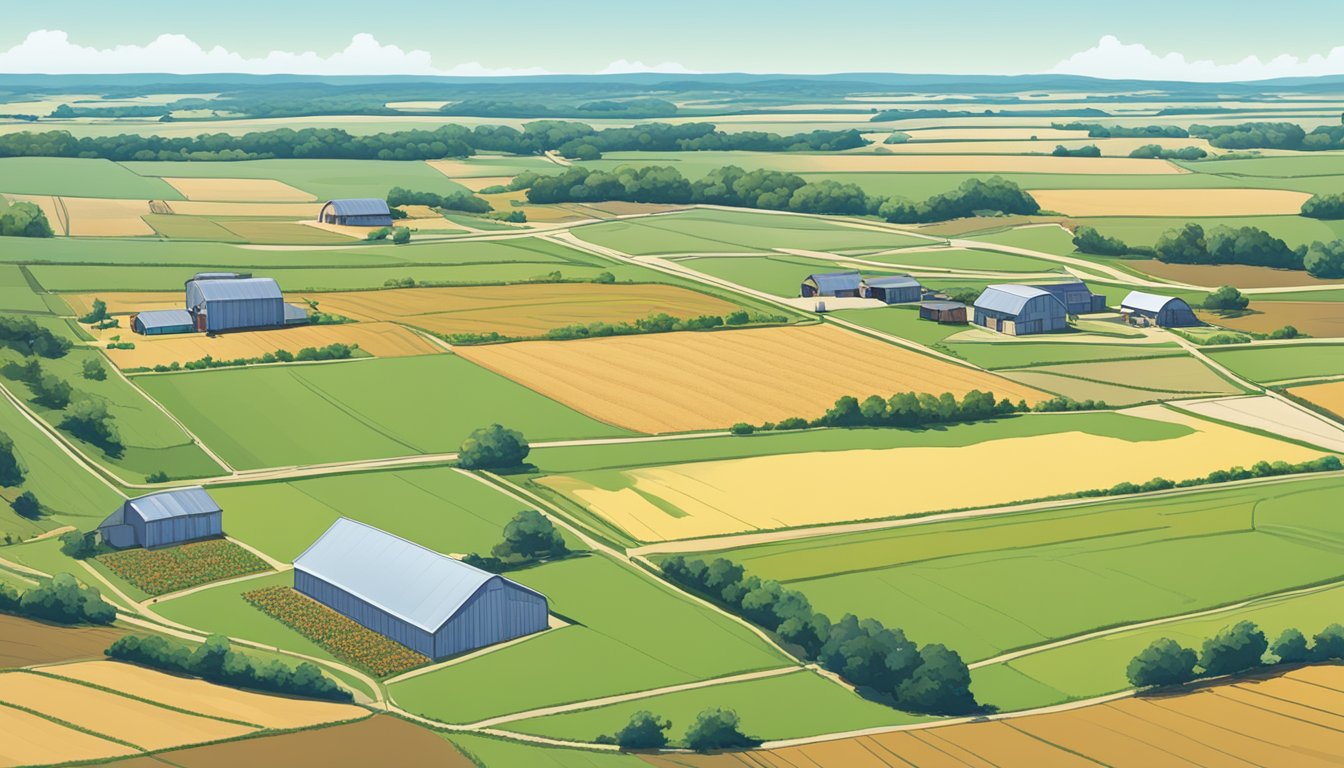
(125, 302)
(240, 190)
(136, 722)
(519, 310)
(1253, 722)
(378, 339)
(368, 742)
(1228, 274)
(24, 642)
(98, 217)
(32, 740)
(207, 698)
(264, 210)
(1170, 202)
(980, 164)
(1322, 319)
(673, 382)
(1329, 396)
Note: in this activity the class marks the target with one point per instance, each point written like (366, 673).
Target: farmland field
(376, 339)
(69, 176)
(777, 274)
(322, 179)
(1283, 363)
(1171, 202)
(1321, 319)
(1227, 274)
(170, 569)
(712, 231)
(24, 642)
(1024, 354)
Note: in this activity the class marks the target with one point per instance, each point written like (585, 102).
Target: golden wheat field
(1170, 202)
(33, 740)
(519, 310)
(124, 302)
(674, 382)
(782, 491)
(377, 339)
(105, 217)
(264, 210)
(1329, 395)
(239, 190)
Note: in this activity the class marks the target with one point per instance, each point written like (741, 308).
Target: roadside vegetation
(1234, 650)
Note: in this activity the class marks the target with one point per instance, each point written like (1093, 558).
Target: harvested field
(1329, 396)
(377, 339)
(239, 190)
(100, 217)
(207, 698)
(368, 742)
(1170, 202)
(717, 497)
(675, 382)
(477, 183)
(264, 210)
(33, 740)
(1227, 274)
(1251, 722)
(24, 642)
(1276, 416)
(160, 571)
(50, 208)
(1079, 389)
(1168, 374)
(136, 722)
(1322, 319)
(124, 302)
(519, 310)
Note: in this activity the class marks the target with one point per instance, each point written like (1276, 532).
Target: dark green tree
(1226, 298)
(64, 600)
(529, 536)
(1290, 647)
(493, 447)
(940, 685)
(1186, 245)
(1234, 649)
(716, 728)
(11, 471)
(1089, 240)
(643, 731)
(1325, 260)
(1163, 662)
(27, 506)
(93, 370)
(1328, 644)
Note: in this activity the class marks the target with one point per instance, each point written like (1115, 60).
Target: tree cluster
(23, 219)
(1234, 650)
(713, 729)
(458, 200)
(660, 323)
(12, 473)
(493, 447)
(1324, 206)
(1091, 150)
(914, 409)
(1226, 298)
(1159, 152)
(1099, 131)
(530, 537)
(635, 109)
(929, 679)
(215, 661)
(1325, 260)
(1250, 246)
(25, 336)
(890, 115)
(1089, 240)
(61, 599)
(1271, 136)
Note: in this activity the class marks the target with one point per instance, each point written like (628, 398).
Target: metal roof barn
(1019, 310)
(157, 322)
(235, 303)
(1077, 297)
(295, 315)
(1162, 311)
(428, 602)
(162, 519)
(356, 212)
(837, 284)
(897, 289)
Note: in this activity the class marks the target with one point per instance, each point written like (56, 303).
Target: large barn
(1019, 310)
(896, 289)
(1077, 297)
(162, 519)
(428, 602)
(219, 302)
(1163, 311)
(356, 212)
(842, 285)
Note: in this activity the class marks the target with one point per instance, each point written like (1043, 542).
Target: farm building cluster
(889, 289)
(218, 302)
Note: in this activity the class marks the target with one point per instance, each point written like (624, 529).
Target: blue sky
(725, 35)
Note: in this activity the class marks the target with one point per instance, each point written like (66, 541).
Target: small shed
(431, 603)
(228, 304)
(356, 212)
(1019, 310)
(1141, 308)
(162, 519)
(897, 289)
(1078, 299)
(950, 312)
(295, 315)
(833, 284)
(157, 322)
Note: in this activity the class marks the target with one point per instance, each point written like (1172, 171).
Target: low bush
(530, 537)
(59, 599)
(215, 661)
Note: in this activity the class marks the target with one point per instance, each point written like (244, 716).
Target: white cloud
(1110, 58)
(623, 67)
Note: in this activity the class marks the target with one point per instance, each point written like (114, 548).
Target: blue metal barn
(1019, 310)
(162, 519)
(431, 603)
(1077, 297)
(836, 284)
(897, 289)
(158, 322)
(356, 212)
(235, 303)
(1162, 311)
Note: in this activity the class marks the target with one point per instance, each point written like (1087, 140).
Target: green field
(628, 633)
(777, 275)
(987, 586)
(902, 321)
(495, 752)
(324, 179)
(1096, 667)
(1281, 363)
(1293, 230)
(438, 507)
(795, 705)
(1047, 239)
(76, 177)
(969, 259)
(310, 414)
(714, 231)
(15, 293)
(1022, 354)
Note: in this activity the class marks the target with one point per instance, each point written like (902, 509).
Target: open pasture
(777, 274)
(239, 190)
(1171, 202)
(1321, 319)
(17, 294)
(323, 179)
(247, 208)
(376, 339)
(1167, 374)
(964, 258)
(80, 176)
(1085, 389)
(675, 382)
(695, 164)
(709, 498)
(310, 414)
(1023, 354)
(520, 310)
(1282, 362)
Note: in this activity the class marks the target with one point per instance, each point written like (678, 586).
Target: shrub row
(1235, 649)
(335, 351)
(919, 409)
(61, 599)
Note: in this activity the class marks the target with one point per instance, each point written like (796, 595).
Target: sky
(1188, 39)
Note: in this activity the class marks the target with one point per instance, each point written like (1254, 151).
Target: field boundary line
(42, 672)
(66, 724)
(87, 464)
(158, 599)
(271, 561)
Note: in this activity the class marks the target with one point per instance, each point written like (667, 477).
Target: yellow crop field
(265, 210)
(144, 725)
(105, 217)
(673, 382)
(894, 163)
(239, 190)
(378, 339)
(1170, 202)
(1329, 396)
(50, 208)
(207, 698)
(477, 183)
(1108, 147)
(781, 491)
(519, 310)
(125, 302)
(32, 740)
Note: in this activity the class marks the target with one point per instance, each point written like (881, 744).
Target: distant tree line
(135, 110)
(23, 219)
(1091, 150)
(334, 351)
(1157, 151)
(920, 114)
(1235, 649)
(1271, 136)
(1099, 131)
(215, 661)
(634, 109)
(60, 599)
(1259, 469)
(1324, 206)
(773, 190)
(458, 200)
(1252, 246)
(714, 728)
(931, 679)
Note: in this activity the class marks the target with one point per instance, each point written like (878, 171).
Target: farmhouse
(1019, 310)
(221, 302)
(1141, 308)
(161, 519)
(834, 284)
(1077, 297)
(897, 289)
(158, 322)
(356, 212)
(951, 312)
(428, 602)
